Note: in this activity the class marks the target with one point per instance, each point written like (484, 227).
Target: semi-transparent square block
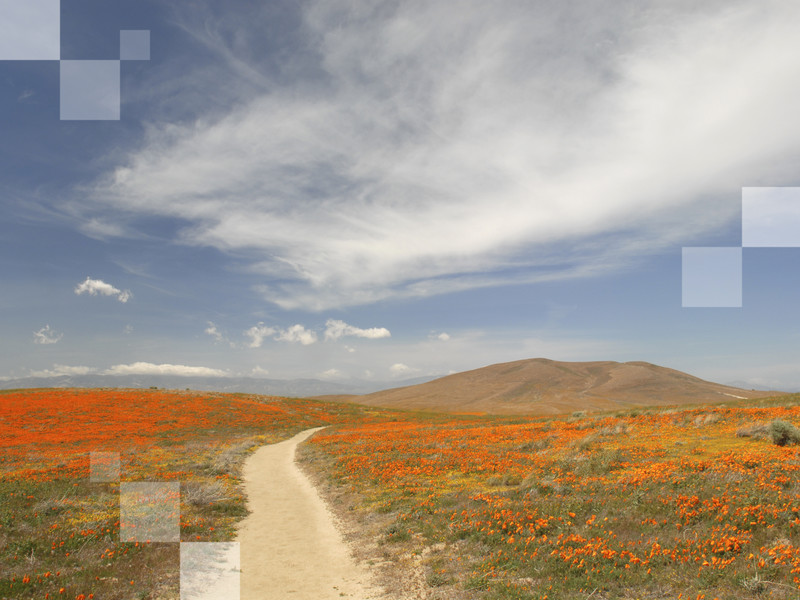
(90, 90)
(30, 29)
(134, 44)
(149, 511)
(771, 217)
(712, 277)
(210, 571)
(103, 467)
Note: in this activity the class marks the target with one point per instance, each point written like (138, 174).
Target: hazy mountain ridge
(250, 385)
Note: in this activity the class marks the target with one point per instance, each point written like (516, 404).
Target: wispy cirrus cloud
(93, 287)
(421, 151)
(46, 335)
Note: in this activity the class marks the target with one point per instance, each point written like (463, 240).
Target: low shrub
(757, 431)
(783, 433)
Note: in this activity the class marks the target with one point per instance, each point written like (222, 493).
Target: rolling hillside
(542, 386)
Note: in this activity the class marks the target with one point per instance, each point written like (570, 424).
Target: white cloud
(101, 230)
(146, 368)
(400, 370)
(218, 336)
(214, 332)
(258, 333)
(60, 370)
(97, 286)
(259, 372)
(444, 151)
(332, 374)
(443, 337)
(127, 330)
(46, 336)
(297, 333)
(335, 329)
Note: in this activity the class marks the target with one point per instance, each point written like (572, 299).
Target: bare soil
(290, 546)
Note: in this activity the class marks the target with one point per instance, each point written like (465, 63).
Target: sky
(347, 189)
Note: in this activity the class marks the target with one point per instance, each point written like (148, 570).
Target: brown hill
(542, 386)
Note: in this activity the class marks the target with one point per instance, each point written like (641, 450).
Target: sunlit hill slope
(542, 386)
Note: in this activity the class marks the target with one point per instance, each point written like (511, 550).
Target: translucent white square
(90, 90)
(210, 571)
(771, 217)
(149, 511)
(712, 277)
(134, 44)
(103, 466)
(30, 29)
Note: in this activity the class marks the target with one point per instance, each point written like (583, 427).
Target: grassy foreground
(60, 532)
(679, 503)
(664, 503)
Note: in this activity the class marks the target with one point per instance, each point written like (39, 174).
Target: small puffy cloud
(334, 329)
(214, 332)
(61, 370)
(399, 370)
(218, 336)
(93, 287)
(332, 374)
(127, 330)
(146, 368)
(443, 337)
(297, 333)
(257, 334)
(46, 336)
(259, 372)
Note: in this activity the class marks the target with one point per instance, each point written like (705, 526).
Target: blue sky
(385, 190)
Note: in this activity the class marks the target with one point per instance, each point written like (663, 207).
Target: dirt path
(290, 548)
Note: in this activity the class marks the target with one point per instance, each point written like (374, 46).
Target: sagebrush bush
(201, 494)
(783, 433)
(757, 431)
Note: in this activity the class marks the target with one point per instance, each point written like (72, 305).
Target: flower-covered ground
(678, 503)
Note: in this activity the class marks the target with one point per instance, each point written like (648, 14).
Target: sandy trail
(289, 545)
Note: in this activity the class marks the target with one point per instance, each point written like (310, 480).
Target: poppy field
(675, 503)
(681, 503)
(60, 532)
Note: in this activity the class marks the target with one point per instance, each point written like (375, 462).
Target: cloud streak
(434, 152)
(46, 336)
(335, 329)
(93, 287)
(146, 368)
(63, 370)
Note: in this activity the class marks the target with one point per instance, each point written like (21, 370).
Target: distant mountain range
(533, 386)
(298, 388)
(542, 386)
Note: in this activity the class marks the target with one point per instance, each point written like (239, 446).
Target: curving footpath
(289, 546)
